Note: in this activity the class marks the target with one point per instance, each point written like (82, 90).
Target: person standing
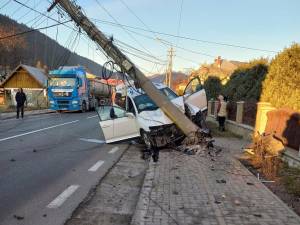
(222, 112)
(20, 99)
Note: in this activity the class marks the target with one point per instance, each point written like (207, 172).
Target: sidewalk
(185, 190)
(9, 115)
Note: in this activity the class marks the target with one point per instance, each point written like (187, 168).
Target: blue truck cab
(68, 89)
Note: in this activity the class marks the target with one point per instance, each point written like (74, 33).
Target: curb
(140, 212)
(29, 113)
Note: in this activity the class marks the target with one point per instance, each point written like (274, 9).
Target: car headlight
(51, 102)
(74, 102)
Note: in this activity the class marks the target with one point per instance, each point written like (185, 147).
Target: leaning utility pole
(183, 123)
(170, 68)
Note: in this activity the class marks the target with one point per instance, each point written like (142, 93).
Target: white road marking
(97, 165)
(60, 199)
(92, 140)
(90, 117)
(113, 150)
(39, 130)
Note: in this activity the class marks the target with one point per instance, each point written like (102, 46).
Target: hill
(176, 76)
(35, 48)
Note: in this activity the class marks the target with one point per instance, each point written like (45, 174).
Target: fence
(240, 112)
(284, 123)
(249, 113)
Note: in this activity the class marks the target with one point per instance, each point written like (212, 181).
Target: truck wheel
(83, 107)
(146, 140)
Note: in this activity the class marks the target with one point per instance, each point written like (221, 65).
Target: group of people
(222, 110)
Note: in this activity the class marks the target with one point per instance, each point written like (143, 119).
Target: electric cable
(32, 30)
(185, 37)
(5, 4)
(110, 15)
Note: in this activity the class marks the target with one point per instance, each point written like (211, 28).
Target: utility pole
(168, 80)
(183, 123)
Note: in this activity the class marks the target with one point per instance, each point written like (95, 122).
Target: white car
(140, 117)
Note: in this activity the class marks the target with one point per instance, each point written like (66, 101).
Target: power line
(5, 4)
(43, 14)
(120, 25)
(165, 42)
(14, 12)
(138, 50)
(32, 30)
(184, 37)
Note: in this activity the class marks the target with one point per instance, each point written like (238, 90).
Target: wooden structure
(31, 79)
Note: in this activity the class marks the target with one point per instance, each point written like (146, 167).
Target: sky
(268, 25)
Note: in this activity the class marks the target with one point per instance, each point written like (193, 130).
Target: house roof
(38, 74)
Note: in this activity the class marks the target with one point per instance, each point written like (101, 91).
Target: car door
(195, 95)
(117, 124)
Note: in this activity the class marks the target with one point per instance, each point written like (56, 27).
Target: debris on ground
(12, 160)
(19, 217)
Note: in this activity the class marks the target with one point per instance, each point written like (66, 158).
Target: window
(169, 93)
(110, 112)
(130, 107)
(62, 82)
(193, 86)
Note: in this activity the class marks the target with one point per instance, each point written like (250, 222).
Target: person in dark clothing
(20, 99)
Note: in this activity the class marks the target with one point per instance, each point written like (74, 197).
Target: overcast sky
(261, 24)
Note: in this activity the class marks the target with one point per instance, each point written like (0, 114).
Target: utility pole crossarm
(183, 123)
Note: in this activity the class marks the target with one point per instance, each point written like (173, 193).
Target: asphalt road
(48, 164)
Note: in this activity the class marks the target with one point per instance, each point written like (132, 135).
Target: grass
(290, 177)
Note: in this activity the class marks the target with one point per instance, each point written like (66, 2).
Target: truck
(71, 88)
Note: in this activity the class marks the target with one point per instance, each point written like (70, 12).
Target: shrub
(213, 87)
(282, 85)
(246, 82)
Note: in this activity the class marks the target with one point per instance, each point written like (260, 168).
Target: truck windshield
(144, 102)
(62, 82)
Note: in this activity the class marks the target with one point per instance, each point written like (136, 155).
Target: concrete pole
(183, 123)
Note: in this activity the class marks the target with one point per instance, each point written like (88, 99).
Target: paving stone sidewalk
(190, 190)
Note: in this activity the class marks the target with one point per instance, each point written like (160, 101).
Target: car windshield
(144, 102)
(62, 82)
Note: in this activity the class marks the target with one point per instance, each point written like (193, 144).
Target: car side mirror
(130, 115)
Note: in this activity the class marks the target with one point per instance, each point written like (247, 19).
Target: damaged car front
(143, 118)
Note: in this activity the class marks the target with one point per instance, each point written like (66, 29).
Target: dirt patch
(285, 182)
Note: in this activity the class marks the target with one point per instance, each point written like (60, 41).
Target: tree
(282, 85)
(213, 87)
(246, 81)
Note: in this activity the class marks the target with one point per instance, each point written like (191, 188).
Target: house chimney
(218, 61)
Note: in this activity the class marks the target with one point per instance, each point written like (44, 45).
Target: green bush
(282, 85)
(213, 87)
(246, 82)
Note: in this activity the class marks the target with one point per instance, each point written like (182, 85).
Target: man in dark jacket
(20, 99)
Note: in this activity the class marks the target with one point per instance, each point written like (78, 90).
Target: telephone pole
(174, 113)
(168, 80)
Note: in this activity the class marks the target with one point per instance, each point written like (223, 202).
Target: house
(31, 79)
(221, 68)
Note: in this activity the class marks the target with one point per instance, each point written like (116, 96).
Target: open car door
(195, 95)
(117, 124)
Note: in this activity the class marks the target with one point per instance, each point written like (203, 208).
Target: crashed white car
(140, 117)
